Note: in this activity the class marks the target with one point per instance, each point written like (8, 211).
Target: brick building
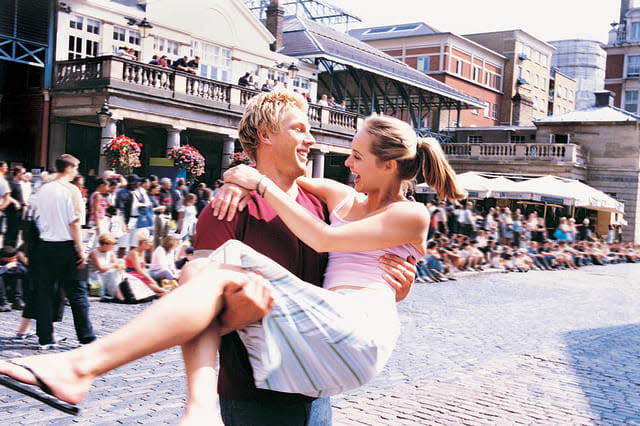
(622, 74)
(454, 60)
(526, 74)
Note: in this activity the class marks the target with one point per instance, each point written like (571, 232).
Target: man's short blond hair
(264, 112)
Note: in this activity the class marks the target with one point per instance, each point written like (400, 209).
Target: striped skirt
(314, 342)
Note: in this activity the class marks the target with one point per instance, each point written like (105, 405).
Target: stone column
(173, 137)
(318, 163)
(108, 132)
(228, 147)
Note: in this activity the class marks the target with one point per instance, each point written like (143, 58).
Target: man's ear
(264, 137)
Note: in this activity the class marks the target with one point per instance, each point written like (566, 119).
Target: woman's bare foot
(201, 414)
(56, 370)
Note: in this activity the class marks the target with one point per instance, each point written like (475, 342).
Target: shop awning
(546, 189)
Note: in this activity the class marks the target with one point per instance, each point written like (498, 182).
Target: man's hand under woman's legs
(247, 295)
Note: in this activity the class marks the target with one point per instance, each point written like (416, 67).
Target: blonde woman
(104, 267)
(135, 265)
(315, 341)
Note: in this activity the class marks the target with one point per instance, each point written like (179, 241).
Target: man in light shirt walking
(59, 255)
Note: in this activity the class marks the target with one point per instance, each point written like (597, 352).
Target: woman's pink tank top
(360, 269)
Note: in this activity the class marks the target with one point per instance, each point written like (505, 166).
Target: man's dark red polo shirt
(259, 227)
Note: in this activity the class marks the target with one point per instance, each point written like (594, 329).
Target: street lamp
(104, 115)
(291, 69)
(144, 26)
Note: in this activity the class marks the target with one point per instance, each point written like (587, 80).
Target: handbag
(135, 291)
(145, 217)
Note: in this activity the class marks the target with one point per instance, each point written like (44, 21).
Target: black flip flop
(29, 390)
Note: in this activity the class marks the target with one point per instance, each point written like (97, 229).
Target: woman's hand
(400, 273)
(244, 176)
(229, 199)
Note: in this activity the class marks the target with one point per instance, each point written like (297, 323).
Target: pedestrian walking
(14, 210)
(59, 255)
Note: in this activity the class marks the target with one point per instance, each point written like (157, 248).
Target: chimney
(275, 23)
(604, 98)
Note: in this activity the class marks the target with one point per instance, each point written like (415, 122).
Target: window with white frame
(536, 56)
(537, 80)
(527, 76)
(631, 101)
(535, 102)
(119, 34)
(93, 26)
(125, 37)
(561, 138)
(496, 81)
(84, 37)
(76, 22)
(423, 63)
(487, 109)
(633, 65)
(458, 66)
(544, 83)
(474, 139)
(275, 75)
(494, 113)
(558, 91)
(476, 74)
(168, 48)
(543, 103)
(302, 83)
(215, 61)
(487, 78)
(635, 31)
(543, 60)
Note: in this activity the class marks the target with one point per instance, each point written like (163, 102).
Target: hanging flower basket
(240, 158)
(188, 158)
(123, 154)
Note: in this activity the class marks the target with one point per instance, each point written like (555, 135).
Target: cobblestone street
(542, 347)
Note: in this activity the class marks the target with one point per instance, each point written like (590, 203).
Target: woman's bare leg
(199, 356)
(24, 325)
(170, 321)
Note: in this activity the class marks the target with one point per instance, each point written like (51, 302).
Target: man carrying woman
(386, 153)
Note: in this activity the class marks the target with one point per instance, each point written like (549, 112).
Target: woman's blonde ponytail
(437, 171)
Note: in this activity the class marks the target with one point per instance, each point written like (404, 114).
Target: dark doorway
(83, 142)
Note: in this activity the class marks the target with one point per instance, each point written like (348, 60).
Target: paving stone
(545, 348)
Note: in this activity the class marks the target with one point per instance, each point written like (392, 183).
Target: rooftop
(593, 114)
(393, 31)
(304, 38)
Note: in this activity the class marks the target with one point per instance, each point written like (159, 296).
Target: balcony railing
(570, 153)
(144, 79)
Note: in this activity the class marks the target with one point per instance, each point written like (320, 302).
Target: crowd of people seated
(462, 239)
(135, 228)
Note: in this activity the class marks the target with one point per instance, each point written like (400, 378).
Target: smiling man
(275, 133)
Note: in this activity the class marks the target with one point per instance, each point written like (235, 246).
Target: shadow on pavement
(606, 362)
